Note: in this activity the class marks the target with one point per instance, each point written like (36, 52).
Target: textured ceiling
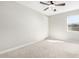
(70, 5)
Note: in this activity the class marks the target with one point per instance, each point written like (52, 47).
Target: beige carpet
(46, 49)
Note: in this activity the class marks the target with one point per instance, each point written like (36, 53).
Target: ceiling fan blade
(51, 2)
(54, 10)
(62, 4)
(46, 8)
(44, 3)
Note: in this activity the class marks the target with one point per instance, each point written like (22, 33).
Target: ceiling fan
(53, 4)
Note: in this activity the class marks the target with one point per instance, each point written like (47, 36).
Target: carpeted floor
(46, 49)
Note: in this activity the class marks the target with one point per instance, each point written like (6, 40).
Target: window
(73, 23)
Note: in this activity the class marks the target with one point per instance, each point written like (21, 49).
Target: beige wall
(20, 25)
(58, 27)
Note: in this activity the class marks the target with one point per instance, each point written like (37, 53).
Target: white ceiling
(70, 5)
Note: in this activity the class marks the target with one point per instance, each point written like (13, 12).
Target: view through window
(73, 23)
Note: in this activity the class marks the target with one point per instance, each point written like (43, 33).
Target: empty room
(39, 29)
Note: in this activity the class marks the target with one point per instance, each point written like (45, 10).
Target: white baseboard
(20, 46)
